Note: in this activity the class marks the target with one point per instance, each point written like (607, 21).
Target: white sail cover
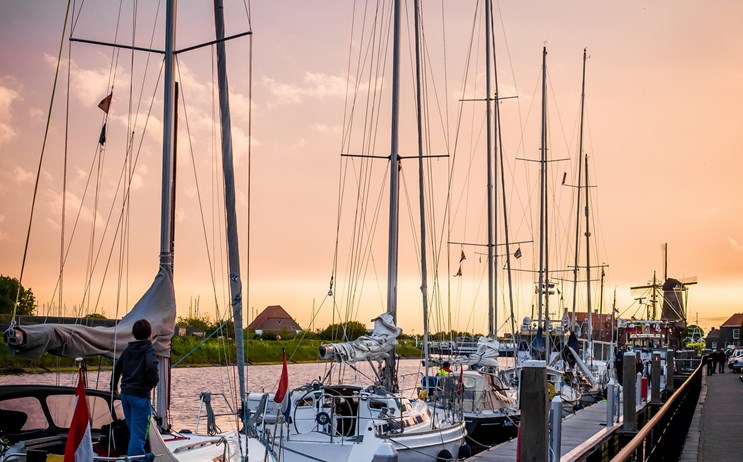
(375, 346)
(486, 355)
(157, 306)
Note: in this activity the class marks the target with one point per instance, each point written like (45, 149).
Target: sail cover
(157, 306)
(375, 346)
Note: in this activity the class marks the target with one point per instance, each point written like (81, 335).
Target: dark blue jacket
(137, 368)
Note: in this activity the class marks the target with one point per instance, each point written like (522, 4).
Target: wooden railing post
(669, 370)
(628, 387)
(534, 426)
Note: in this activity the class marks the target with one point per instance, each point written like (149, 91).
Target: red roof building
(274, 319)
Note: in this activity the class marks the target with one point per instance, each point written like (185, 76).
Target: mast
(392, 252)
(421, 188)
(492, 315)
(577, 207)
(166, 212)
(233, 247)
(543, 276)
(588, 266)
(588, 231)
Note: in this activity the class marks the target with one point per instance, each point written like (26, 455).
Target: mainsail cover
(367, 347)
(157, 306)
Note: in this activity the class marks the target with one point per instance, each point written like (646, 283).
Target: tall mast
(421, 188)
(543, 254)
(166, 212)
(588, 264)
(233, 248)
(577, 207)
(389, 373)
(587, 208)
(492, 315)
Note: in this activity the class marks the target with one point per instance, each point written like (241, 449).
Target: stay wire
(38, 170)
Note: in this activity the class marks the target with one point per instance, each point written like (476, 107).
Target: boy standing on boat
(137, 369)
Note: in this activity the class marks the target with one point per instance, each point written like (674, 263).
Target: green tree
(353, 330)
(8, 291)
(202, 324)
(95, 316)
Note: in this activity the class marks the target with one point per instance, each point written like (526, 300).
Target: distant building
(274, 319)
(730, 331)
(183, 331)
(602, 326)
(713, 339)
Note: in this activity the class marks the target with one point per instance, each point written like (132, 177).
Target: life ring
(550, 391)
(444, 456)
(322, 418)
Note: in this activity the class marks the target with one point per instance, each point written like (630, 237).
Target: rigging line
(127, 190)
(64, 179)
(124, 243)
(218, 218)
(196, 181)
(510, 61)
(38, 170)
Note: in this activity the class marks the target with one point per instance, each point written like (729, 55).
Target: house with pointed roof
(274, 319)
(730, 330)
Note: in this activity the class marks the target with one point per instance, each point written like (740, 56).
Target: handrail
(637, 441)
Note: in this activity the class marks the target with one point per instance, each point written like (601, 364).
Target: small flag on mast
(102, 136)
(517, 254)
(462, 258)
(459, 272)
(105, 103)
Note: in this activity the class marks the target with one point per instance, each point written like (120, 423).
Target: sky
(662, 132)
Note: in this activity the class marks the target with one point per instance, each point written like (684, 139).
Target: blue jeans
(137, 411)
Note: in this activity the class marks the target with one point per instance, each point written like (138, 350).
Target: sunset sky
(663, 133)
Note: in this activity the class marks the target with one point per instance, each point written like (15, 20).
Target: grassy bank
(212, 352)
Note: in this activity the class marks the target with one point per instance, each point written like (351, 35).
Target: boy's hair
(142, 329)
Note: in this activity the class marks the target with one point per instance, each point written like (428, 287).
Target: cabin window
(375, 404)
(31, 407)
(307, 401)
(62, 407)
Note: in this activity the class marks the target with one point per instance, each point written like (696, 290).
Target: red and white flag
(283, 383)
(79, 443)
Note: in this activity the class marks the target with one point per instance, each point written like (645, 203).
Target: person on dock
(137, 367)
(721, 360)
(709, 361)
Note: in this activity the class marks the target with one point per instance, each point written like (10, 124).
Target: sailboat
(34, 427)
(545, 338)
(355, 422)
(489, 407)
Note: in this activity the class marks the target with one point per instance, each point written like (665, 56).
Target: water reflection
(188, 383)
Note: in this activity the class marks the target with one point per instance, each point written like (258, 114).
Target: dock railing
(659, 439)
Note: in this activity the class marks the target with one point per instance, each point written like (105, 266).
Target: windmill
(674, 293)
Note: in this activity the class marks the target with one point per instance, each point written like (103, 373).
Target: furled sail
(487, 353)
(375, 346)
(157, 306)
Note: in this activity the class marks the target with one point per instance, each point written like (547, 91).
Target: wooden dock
(583, 426)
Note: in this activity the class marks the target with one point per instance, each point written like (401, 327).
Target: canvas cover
(375, 346)
(157, 306)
